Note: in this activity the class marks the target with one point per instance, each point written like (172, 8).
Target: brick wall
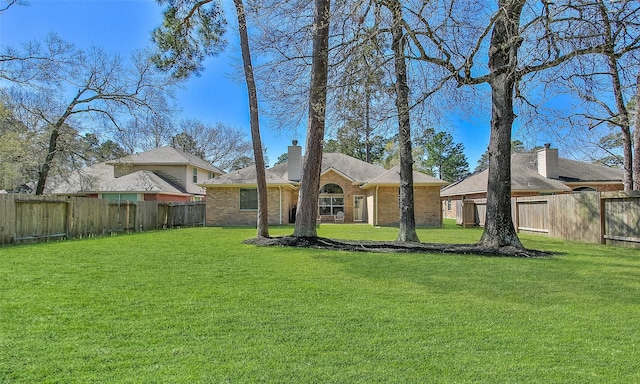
(223, 207)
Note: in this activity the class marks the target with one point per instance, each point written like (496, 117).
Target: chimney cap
(294, 142)
(547, 145)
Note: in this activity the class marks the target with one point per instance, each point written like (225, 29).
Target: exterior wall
(427, 206)
(179, 174)
(599, 187)
(223, 204)
(388, 210)
(223, 207)
(348, 188)
(166, 198)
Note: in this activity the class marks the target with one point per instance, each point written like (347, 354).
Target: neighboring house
(363, 192)
(533, 174)
(161, 174)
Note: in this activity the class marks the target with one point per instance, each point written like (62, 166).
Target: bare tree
(407, 231)
(521, 38)
(636, 138)
(217, 143)
(310, 184)
(93, 85)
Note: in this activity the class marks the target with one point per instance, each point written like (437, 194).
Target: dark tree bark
(263, 210)
(503, 56)
(636, 139)
(307, 209)
(407, 231)
(45, 167)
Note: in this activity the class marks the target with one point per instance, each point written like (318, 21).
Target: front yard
(198, 306)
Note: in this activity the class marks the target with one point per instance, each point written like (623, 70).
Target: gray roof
(100, 178)
(525, 176)
(166, 156)
(247, 176)
(358, 171)
(392, 177)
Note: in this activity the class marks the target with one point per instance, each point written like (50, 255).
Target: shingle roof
(360, 172)
(525, 176)
(100, 178)
(392, 177)
(246, 176)
(166, 156)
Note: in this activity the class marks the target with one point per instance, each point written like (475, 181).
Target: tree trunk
(623, 123)
(307, 209)
(43, 173)
(407, 216)
(263, 209)
(636, 139)
(505, 41)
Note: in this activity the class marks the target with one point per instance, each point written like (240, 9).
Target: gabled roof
(392, 177)
(357, 171)
(245, 177)
(166, 156)
(100, 178)
(525, 176)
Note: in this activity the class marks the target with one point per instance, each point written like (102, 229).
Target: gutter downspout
(376, 223)
(280, 202)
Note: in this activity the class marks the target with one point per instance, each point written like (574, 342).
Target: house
(533, 174)
(363, 192)
(161, 174)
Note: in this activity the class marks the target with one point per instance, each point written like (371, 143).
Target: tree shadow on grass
(393, 247)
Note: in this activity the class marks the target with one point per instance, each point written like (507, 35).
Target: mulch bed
(392, 246)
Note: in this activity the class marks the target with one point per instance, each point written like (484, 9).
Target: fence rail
(601, 218)
(26, 218)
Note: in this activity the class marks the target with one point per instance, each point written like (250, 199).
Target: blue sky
(125, 25)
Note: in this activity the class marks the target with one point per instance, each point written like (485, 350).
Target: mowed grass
(198, 306)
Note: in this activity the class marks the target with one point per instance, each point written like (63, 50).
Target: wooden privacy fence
(27, 218)
(602, 218)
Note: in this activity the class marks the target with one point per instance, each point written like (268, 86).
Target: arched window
(584, 189)
(331, 200)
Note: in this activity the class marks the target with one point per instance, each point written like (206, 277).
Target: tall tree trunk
(263, 209)
(43, 173)
(367, 124)
(623, 123)
(505, 41)
(310, 184)
(636, 139)
(407, 231)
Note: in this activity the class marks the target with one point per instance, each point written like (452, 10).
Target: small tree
(444, 159)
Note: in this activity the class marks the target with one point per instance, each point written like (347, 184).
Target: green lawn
(198, 306)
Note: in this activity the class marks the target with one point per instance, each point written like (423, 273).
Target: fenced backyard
(26, 218)
(600, 218)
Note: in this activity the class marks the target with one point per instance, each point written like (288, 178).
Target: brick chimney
(548, 162)
(295, 161)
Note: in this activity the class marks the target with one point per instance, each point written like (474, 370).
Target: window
(212, 175)
(195, 174)
(248, 199)
(120, 196)
(331, 200)
(448, 203)
(585, 189)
